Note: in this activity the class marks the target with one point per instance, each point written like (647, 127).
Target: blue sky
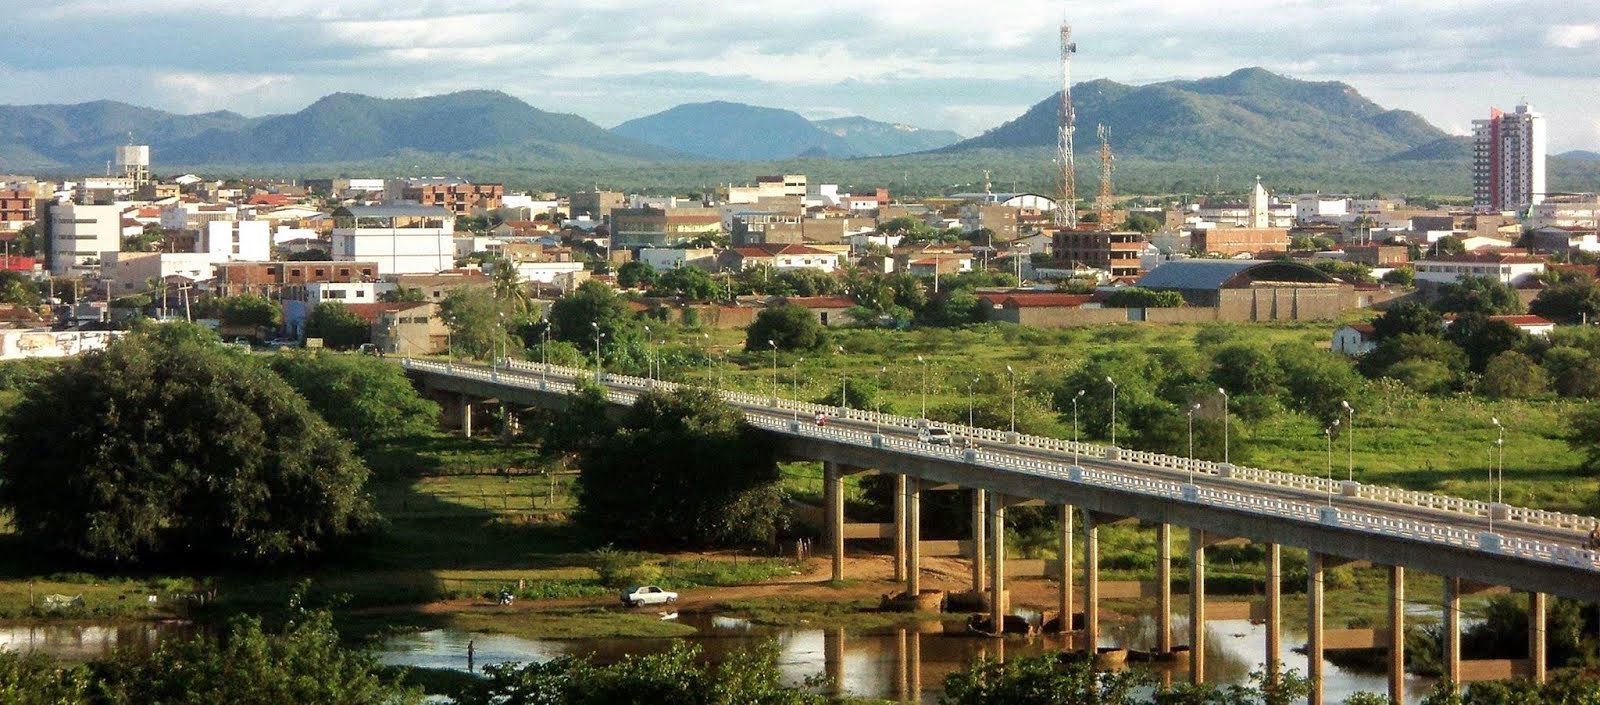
(951, 64)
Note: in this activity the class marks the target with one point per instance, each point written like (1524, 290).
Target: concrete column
(507, 423)
(1091, 583)
(1065, 601)
(900, 671)
(914, 539)
(1314, 626)
(1536, 637)
(980, 520)
(1452, 631)
(915, 666)
(997, 561)
(833, 659)
(833, 496)
(466, 416)
(1197, 606)
(1397, 634)
(899, 528)
(1274, 609)
(1164, 588)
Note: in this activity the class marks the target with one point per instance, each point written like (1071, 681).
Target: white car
(647, 595)
(934, 434)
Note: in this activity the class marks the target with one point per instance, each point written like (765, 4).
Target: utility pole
(1103, 201)
(1066, 213)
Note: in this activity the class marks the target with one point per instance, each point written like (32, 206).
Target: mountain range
(738, 132)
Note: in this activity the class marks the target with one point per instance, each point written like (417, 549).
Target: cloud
(1573, 36)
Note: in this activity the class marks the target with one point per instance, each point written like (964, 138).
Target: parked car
(370, 349)
(283, 343)
(647, 595)
(934, 434)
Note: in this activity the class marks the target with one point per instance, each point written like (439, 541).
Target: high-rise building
(1508, 160)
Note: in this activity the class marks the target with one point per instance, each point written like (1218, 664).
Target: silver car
(647, 595)
(934, 434)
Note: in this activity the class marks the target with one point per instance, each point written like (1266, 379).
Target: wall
(18, 344)
(1272, 303)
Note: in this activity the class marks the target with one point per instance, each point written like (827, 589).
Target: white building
(1313, 207)
(546, 272)
(401, 239)
(1505, 268)
(1567, 211)
(802, 257)
(314, 293)
(1354, 339)
(236, 241)
(79, 234)
(1508, 156)
(664, 258)
(131, 272)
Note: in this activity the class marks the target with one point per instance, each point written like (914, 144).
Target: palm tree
(508, 288)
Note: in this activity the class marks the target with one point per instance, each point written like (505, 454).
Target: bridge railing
(990, 437)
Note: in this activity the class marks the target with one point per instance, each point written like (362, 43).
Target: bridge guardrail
(1428, 500)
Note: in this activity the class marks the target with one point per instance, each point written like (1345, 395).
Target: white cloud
(1573, 36)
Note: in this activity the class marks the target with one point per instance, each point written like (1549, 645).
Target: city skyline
(900, 62)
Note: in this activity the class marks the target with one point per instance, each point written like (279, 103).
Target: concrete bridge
(1474, 546)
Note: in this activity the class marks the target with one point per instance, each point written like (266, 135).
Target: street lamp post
(1224, 394)
(1113, 384)
(924, 387)
(1013, 375)
(1075, 447)
(971, 390)
(1193, 408)
(794, 381)
(1500, 473)
(544, 352)
(1350, 437)
(1328, 431)
(878, 398)
(774, 345)
(649, 359)
(598, 369)
(500, 348)
(842, 396)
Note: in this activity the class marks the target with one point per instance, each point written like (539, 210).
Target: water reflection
(902, 663)
(83, 642)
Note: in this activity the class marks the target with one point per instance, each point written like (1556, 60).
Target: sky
(951, 64)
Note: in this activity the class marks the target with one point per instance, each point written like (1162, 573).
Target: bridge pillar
(899, 528)
(1536, 640)
(1397, 633)
(1197, 606)
(1065, 595)
(1164, 588)
(1091, 583)
(1314, 626)
(1274, 610)
(914, 538)
(833, 497)
(833, 659)
(914, 660)
(900, 674)
(997, 562)
(1452, 631)
(508, 422)
(466, 416)
(979, 519)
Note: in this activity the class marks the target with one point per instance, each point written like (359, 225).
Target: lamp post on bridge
(971, 387)
(544, 352)
(924, 364)
(842, 395)
(1013, 375)
(598, 370)
(1192, 408)
(774, 345)
(1350, 436)
(1224, 394)
(1113, 384)
(1500, 473)
(649, 359)
(877, 398)
(1075, 447)
(794, 381)
(1328, 431)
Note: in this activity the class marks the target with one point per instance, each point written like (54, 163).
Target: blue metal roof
(1211, 274)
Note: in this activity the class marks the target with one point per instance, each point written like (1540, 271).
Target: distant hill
(735, 131)
(871, 138)
(343, 127)
(43, 137)
(1249, 115)
(1453, 149)
(1580, 155)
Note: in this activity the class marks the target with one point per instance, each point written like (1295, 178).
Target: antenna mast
(1103, 201)
(1066, 214)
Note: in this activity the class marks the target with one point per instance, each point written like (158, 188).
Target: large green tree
(1407, 317)
(337, 326)
(1485, 295)
(788, 326)
(479, 323)
(592, 308)
(368, 400)
(250, 310)
(678, 676)
(720, 476)
(1568, 302)
(169, 444)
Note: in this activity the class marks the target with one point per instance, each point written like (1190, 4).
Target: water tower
(134, 161)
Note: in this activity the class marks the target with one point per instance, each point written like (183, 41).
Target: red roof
(1362, 328)
(1044, 299)
(1524, 320)
(1501, 257)
(751, 252)
(268, 199)
(371, 312)
(820, 301)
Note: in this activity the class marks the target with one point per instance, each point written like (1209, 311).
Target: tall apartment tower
(1508, 157)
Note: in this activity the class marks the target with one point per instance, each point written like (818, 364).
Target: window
(361, 294)
(321, 272)
(344, 272)
(294, 272)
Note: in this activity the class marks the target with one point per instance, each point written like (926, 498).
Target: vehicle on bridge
(936, 435)
(647, 595)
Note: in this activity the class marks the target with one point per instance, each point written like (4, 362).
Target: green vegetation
(337, 326)
(178, 448)
(786, 327)
(249, 310)
(676, 676)
(366, 399)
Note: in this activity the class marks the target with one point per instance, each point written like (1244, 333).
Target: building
(79, 234)
(1354, 339)
(409, 329)
(1115, 252)
(1230, 242)
(662, 227)
(997, 218)
(1513, 269)
(18, 209)
(664, 258)
(437, 287)
(1581, 210)
(595, 204)
(1560, 240)
(767, 228)
(1377, 256)
(787, 186)
(234, 278)
(399, 239)
(828, 310)
(458, 197)
(236, 240)
(132, 272)
(1508, 155)
(1252, 290)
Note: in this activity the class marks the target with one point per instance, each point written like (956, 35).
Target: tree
(1407, 318)
(1584, 435)
(368, 400)
(677, 676)
(1568, 302)
(303, 663)
(690, 446)
(691, 283)
(1048, 679)
(1425, 362)
(508, 287)
(35, 679)
(1246, 369)
(15, 289)
(1512, 375)
(249, 310)
(1449, 245)
(1573, 372)
(147, 240)
(573, 317)
(477, 322)
(403, 294)
(1138, 297)
(1482, 338)
(953, 307)
(635, 275)
(180, 448)
(1314, 380)
(1140, 222)
(789, 326)
(338, 326)
(1485, 295)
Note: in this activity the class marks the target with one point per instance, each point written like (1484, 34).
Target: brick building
(18, 209)
(235, 278)
(1115, 252)
(460, 198)
(1239, 241)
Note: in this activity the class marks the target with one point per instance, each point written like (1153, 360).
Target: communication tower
(1066, 214)
(1103, 201)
